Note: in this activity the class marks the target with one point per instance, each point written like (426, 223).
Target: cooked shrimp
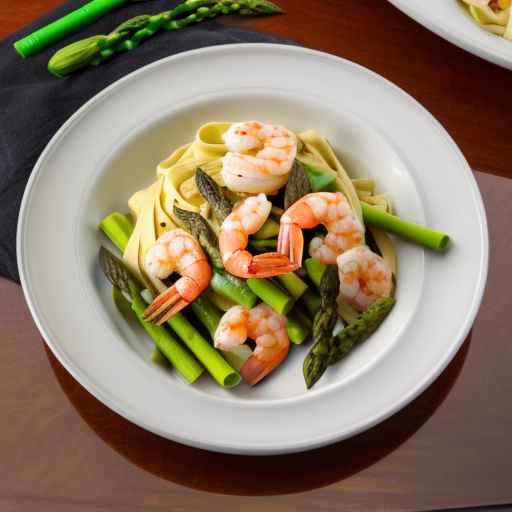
(364, 277)
(176, 251)
(331, 209)
(260, 157)
(246, 218)
(262, 324)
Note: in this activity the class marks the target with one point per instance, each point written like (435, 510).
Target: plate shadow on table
(269, 475)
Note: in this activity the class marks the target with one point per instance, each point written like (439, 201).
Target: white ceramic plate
(110, 148)
(448, 19)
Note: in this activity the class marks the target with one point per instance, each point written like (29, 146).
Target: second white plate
(448, 19)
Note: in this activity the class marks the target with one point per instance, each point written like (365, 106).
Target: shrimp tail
(172, 300)
(271, 264)
(243, 264)
(254, 369)
(291, 243)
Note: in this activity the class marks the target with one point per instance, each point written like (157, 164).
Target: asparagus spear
(232, 288)
(315, 270)
(117, 273)
(294, 285)
(320, 180)
(360, 330)
(269, 229)
(342, 343)
(128, 35)
(207, 313)
(212, 193)
(216, 365)
(425, 236)
(271, 294)
(199, 228)
(298, 185)
(298, 326)
(317, 360)
(118, 227)
(264, 245)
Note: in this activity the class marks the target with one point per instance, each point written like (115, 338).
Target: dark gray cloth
(34, 104)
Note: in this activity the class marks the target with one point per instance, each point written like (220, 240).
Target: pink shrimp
(260, 157)
(176, 251)
(266, 327)
(331, 209)
(364, 277)
(246, 218)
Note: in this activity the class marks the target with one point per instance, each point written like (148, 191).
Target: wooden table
(62, 450)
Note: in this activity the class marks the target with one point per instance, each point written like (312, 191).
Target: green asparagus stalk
(120, 277)
(271, 294)
(206, 312)
(219, 301)
(167, 344)
(315, 270)
(118, 227)
(357, 332)
(199, 228)
(297, 186)
(127, 36)
(425, 236)
(317, 360)
(218, 368)
(320, 180)
(269, 230)
(298, 326)
(232, 288)
(211, 192)
(264, 245)
(294, 285)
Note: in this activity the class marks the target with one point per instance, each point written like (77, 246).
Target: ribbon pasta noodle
(494, 16)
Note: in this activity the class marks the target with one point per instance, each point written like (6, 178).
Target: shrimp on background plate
(331, 209)
(364, 277)
(263, 325)
(246, 218)
(260, 157)
(176, 251)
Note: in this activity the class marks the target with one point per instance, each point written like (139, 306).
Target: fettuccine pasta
(494, 16)
(152, 208)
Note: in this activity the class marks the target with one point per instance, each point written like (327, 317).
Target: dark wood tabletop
(61, 450)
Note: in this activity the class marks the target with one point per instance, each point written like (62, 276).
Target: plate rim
(311, 443)
(458, 39)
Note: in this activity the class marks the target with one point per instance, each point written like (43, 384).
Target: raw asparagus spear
(128, 35)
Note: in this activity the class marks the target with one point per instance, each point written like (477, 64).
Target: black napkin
(34, 104)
